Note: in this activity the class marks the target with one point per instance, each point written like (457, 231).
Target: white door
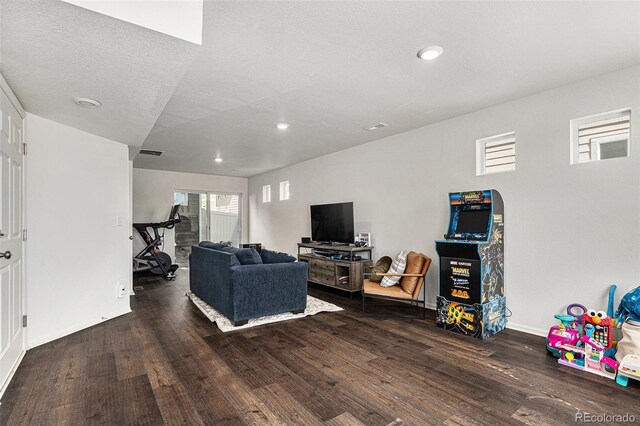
(11, 282)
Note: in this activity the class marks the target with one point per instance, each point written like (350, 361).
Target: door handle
(6, 255)
(1, 234)
(131, 237)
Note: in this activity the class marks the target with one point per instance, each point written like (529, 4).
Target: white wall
(570, 230)
(77, 201)
(153, 196)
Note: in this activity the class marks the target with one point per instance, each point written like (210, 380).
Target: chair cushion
(397, 267)
(381, 266)
(370, 287)
(415, 262)
(246, 256)
(270, 256)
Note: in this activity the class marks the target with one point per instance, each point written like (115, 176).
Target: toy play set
(584, 340)
(470, 297)
(629, 369)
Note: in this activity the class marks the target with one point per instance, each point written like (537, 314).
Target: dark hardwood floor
(166, 363)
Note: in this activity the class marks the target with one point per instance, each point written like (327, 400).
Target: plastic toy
(602, 327)
(629, 369)
(566, 333)
(578, 316)
(584, 340)
(588, 355)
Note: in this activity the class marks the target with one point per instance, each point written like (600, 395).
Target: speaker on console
(305, 240)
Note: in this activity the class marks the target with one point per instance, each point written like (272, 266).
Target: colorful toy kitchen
(585, 338)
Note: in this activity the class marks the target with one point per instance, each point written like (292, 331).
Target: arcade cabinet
(470, 297)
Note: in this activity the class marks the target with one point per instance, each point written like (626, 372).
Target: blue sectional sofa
(250, 290)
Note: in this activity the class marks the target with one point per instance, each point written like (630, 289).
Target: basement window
(496, 154)
(284, 190)
(601, 136)
(266, 194)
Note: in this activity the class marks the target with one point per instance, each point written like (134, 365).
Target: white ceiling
(330, 69)
(51, 52)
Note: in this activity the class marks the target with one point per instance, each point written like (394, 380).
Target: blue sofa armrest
(210, 277)
(270, 289)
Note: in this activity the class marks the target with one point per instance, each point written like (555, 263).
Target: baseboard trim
(5, 385)
(527, 329)
(71, 330)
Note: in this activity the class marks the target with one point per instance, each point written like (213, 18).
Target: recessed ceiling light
(430, 53)
(282, 126)
(376, 127)
(218, 159)
(87, 102)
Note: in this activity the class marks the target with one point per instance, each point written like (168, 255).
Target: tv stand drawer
(322, 277)
(322, 265)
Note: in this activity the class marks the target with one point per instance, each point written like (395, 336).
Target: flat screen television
(332, 223)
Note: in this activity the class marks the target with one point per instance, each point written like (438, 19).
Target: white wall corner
(176, 18)
(41, 340)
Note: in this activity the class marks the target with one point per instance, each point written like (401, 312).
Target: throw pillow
(415, 262)
(381, 266)
(270, 256)
(211, 245)
(246, 256)
(397, 267)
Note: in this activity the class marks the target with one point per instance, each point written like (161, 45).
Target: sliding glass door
(211, 216)
(225, 223)
(190, 230)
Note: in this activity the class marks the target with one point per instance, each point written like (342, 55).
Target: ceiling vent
(150, 152)
(376, 127)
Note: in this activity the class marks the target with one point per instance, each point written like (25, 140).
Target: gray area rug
(314, 306)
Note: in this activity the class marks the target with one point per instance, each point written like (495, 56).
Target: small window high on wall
(601, 136)
(266, 194)
(284, 190)
(496, 154)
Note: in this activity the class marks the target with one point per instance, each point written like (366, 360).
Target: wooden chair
(374, 290)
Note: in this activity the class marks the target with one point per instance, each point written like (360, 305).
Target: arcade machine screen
(473, 222)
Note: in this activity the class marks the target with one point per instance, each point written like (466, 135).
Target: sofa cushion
(381, 266)
(270, 256)
(246, 256)
(397, 267)
(415, 262)
(249, 256)
(212, 245)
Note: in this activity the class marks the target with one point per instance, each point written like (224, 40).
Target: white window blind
(496, 154)
(601, 137)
